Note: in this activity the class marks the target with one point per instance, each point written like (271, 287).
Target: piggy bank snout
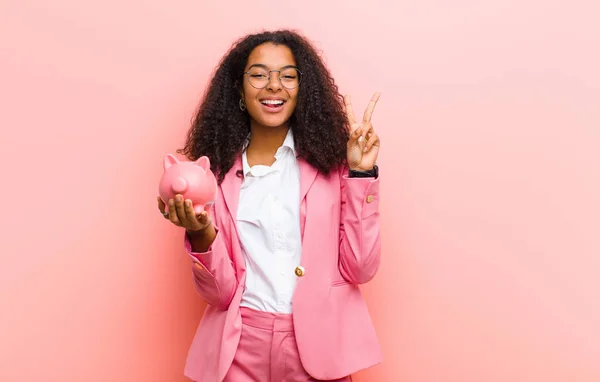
(180, 185)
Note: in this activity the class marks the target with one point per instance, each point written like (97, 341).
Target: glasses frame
(278, 77)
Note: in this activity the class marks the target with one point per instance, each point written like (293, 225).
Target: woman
(295, 226)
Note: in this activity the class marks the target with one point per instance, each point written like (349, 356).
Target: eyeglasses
(259, 76)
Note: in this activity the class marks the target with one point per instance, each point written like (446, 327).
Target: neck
(266, 140)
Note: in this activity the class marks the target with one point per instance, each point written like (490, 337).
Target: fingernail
(365, 149)
(188, 203)
(360, 139)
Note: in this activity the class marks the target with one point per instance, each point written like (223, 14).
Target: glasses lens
(290, 78)
(259, 77)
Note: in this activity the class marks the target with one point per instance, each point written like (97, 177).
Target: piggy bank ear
(169, 161)
(204, 162)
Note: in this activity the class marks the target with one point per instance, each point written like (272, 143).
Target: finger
(161, 207)
(190, 215)
(180, 209)
(204, 218)
(367, 130)
(173, 213)
(372, 141)
(355, 130)
(371, 107)
(364, 130)
(356, 138)
(349, 111)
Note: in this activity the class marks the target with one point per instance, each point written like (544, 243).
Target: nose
(180, 185)
(274, 83)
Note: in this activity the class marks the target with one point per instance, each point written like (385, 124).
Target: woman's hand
(363, 145)
(182, 214)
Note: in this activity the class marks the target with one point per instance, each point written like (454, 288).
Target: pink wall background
(489, 120)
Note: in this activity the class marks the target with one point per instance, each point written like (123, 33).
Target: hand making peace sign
(363, 145)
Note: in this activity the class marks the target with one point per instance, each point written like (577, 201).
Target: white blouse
(268, 223)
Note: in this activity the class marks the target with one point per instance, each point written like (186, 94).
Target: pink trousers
(267, 351)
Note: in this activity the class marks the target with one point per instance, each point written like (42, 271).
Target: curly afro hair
(219, 128)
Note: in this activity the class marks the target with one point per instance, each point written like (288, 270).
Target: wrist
(197, 233)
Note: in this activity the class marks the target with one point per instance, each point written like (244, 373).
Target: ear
(203, 162)
(169, 161)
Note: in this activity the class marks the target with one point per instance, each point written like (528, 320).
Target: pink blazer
(340, 250)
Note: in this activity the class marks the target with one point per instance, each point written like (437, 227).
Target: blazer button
(299, 271)
(369, 198)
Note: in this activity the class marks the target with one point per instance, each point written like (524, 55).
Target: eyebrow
(267, 68)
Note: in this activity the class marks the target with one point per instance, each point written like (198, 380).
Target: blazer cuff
(204, 258)
(362, 194)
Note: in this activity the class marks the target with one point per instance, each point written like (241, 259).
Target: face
(273, 105)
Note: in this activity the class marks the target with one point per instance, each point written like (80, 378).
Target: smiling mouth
(273, 103)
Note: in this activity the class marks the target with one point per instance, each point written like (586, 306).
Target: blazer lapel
(307, 177)
(231, 188)
(308, 174)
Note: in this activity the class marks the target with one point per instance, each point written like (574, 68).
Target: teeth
(272, 102)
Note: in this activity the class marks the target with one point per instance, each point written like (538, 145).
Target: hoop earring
(242, 105)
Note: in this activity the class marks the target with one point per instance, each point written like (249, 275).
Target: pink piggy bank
(193, 180)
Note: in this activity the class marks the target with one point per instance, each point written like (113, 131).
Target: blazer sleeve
(360, 242)
(213, 271)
